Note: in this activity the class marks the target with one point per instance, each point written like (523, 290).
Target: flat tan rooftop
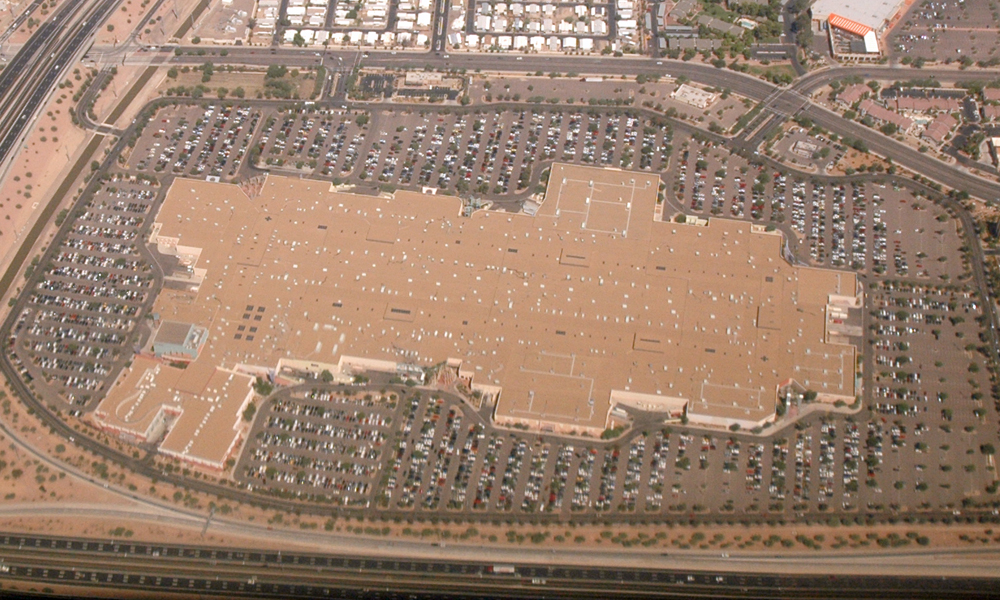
(588, 296)
(203, 402)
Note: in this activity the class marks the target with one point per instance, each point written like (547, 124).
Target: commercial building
(874, 14)
(850, 39)
(193, 413)
(696, 97)
(884, 115)
(179, 341)
(557, 318)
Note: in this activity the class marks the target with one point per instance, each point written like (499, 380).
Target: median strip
(130, 96)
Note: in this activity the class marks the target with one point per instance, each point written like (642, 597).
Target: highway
(249, 572)
(39, 65)
(19, 20)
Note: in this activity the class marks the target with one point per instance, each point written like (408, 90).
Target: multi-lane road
(250, 572)
(19, 20)
(40, 63)
(782, 102)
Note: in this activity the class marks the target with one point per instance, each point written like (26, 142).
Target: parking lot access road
(786, 102)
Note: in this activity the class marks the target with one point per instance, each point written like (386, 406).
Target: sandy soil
(120, 86)
(44, 159)
(728, 538)
(27, 487)
(169, 18)
(9, 11)
(27, 479)
(122, 22)
(732, 539)
(854, 159)
(117, 87)
(135, 530)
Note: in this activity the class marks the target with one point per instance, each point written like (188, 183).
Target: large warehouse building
(876, 14)
(557, 317)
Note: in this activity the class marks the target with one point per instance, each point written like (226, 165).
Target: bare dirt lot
(117, 87)
(122, 22)
(724, 111)
(165, 22)
(9, 10)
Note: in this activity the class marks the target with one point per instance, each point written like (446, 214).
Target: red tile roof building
(928, 104)
(939, 128)
(991, 112)
(881, 113)
(852, 93)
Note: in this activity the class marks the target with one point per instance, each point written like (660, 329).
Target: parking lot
(406, 450)
(920, 426)
(320, 444)
(870, 227)
(76, 329)
(195, 141)
(469, 152)
(953, 30)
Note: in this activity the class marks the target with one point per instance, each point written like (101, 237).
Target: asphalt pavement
(248, 571)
